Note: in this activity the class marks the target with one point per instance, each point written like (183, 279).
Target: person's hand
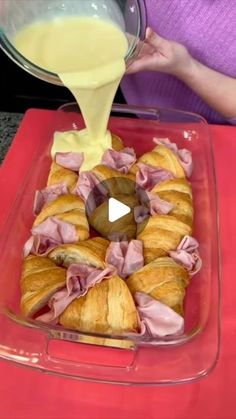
(159, 54)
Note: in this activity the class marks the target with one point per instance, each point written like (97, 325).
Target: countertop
(9, 123)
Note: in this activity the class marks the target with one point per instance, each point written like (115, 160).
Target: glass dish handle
(63, 352)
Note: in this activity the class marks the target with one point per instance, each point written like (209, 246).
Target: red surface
(26, 393)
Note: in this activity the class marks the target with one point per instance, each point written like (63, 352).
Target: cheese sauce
(88, 55)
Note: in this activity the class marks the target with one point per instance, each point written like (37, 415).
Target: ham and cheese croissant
(91, 252)
(107, 308)
(59, 174)
(40, 279)
(160, 234)
(124, 226)
(68, 208)
(161, 156)
(162, 279)
(178, 193)
(115, 181)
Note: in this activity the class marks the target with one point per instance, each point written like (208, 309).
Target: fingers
(142, 64)
(153, 39)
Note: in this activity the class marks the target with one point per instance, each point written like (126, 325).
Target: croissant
(162, 157)
(160, 234)
(115, 181)
(162, 279)
(59, 174)
(125, 225)
(69, 208)
(178, 193)
(178, 185)
(108, 307)
(40, 279)
(91, 252)
(117, 143)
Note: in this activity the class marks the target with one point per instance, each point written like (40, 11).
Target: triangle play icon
(116, 209)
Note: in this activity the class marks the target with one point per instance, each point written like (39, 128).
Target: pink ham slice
(49, 234)
(80, 278)
(47, 195)
(141, 213)
(187, 255)
(157, 319)
(148, 176)
(91, 190)
(126, 257)
(71, 160)
(151, 205)
(39, 245)
(158, 205)
(119, 160)
(184, 155)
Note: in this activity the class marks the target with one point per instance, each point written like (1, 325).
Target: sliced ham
(156, 318)
(47, 195)
(141, 213)
(91, 190)
(184, 155)
(39, 245)
(158, 205)
(151, 205)
(48, 234)
(71, 160)
(119, 160)
(148, 176)
(187, 254)
(126, 257)
(80, 278)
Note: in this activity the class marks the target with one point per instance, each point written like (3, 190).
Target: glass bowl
(129, 15)
(107, 358)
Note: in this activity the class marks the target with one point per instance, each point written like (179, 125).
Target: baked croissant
(178, 193)
(108, 307)
(125, 226)
(91, 252)
(161, 157)
(40, 279)
(59, 174)
(115, 181)
(160, 234)
(117, 143)
(162, 279)
(69, 208)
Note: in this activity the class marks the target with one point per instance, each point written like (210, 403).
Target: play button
(116, 209)
(112, 207)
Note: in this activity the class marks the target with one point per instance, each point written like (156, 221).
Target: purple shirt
(208, 29)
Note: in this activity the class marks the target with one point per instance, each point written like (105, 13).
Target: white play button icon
(116, 209)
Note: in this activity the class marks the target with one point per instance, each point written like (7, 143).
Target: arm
(216, 89)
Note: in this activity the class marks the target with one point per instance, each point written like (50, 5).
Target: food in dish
(87, 279)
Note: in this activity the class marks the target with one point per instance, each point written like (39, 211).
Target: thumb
(156, 41)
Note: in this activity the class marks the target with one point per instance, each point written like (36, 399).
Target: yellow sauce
(88, 55)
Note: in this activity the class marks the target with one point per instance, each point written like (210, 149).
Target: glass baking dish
(117, 359)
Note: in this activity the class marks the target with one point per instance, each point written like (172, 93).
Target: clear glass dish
(116, 359)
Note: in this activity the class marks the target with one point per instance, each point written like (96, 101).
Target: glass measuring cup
(129, 15)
